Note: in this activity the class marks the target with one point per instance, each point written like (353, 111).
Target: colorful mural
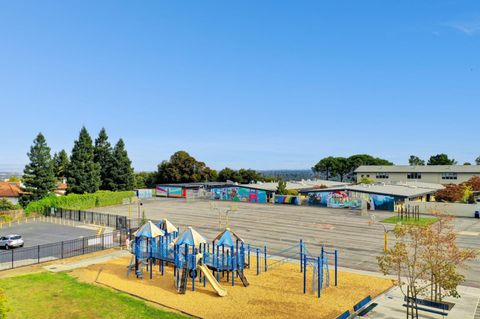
(381, 202)
(239, 194)
(336, 199)
(287, 199)
(169, 191)
(144, 193)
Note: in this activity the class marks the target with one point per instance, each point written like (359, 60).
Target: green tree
(282, 187)
(145, 180)
(467, 164)
(14, 179)
(477, 160)
(415, 161)
(60, 164)
(441, 159)
(121, 172)
(366, 180)
(327, 166)
(183, 168)
(83, 174)
(38, 176)
(103, 155)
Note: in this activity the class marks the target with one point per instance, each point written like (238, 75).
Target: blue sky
(259, 84)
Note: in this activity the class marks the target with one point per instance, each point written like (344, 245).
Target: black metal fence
(14, 258)
(109, 220)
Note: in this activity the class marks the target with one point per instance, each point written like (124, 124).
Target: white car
(11, 241)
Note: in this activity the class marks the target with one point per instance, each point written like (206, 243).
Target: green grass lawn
(60, 296)
(423, 221)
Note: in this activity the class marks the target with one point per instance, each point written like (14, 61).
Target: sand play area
(277, 293)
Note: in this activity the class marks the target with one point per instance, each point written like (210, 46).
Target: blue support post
(336, 267)
(204, 255)
(151, 267)
(217, 260)
(320, 270)
(193, 270)
(301, 255)
(258, 262)
(233, 272)
(304, 274)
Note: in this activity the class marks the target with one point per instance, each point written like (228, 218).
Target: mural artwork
(239, 194)
(336, 199)
(168, 191)
(286, 199)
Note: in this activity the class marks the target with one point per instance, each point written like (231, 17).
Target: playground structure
(190, 254)
(225, 258)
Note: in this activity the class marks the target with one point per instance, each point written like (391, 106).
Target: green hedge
(79, 201)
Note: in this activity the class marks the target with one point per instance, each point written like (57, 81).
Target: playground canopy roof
(228, 238)
(167, 226)
(149, 230)
(190, 237)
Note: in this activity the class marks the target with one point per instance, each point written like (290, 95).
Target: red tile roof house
(10, 191)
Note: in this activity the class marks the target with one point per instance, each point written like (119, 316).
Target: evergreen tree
(83, 174)
(38, 175)
(122, 172)
(60, 164)
(104, 157)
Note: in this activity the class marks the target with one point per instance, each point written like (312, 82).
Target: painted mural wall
(239, 194)
(145, 193)
(287, 199)
(169, 191)
(337, 199)
(342, 199)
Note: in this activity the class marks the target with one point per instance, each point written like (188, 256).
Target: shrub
(5, 204)
(451, 193)
(474, 183)
(79, 201)
(366, 180)
(292, 192)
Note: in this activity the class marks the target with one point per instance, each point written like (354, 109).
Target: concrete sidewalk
(87, 262)
(390, 304)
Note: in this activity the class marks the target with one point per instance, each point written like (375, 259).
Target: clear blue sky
(259, 84)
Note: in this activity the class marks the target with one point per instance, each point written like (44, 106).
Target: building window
(414, 175)
(449, 175)
(381, 175)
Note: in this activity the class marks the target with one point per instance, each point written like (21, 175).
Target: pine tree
(38, 175)
(103, 155)
(60, 164)
(83, 174)
(122, 171)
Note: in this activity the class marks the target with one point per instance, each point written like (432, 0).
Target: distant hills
(5, 175)
(289, 174)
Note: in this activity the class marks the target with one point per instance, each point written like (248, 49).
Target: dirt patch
(277, 293)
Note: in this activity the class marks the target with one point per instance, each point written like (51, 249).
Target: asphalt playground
(358, 239)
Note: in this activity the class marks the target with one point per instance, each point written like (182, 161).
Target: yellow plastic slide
(213, 282)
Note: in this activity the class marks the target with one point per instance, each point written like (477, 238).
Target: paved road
(280, 226)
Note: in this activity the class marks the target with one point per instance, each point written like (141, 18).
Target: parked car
(11, 241)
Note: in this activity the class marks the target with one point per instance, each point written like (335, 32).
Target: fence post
(38, 254)
(305, 274)
(258, 259)
(83, 245)
(12, 258)
(319, 277)
(62, 249)
(103, 241)
(265, 252)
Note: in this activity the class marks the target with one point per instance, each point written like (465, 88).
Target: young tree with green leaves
(60, 164)
(83, 174)
(103, 156)
(415, 161)
(282, 187)
(121, 173)
(38, 176)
